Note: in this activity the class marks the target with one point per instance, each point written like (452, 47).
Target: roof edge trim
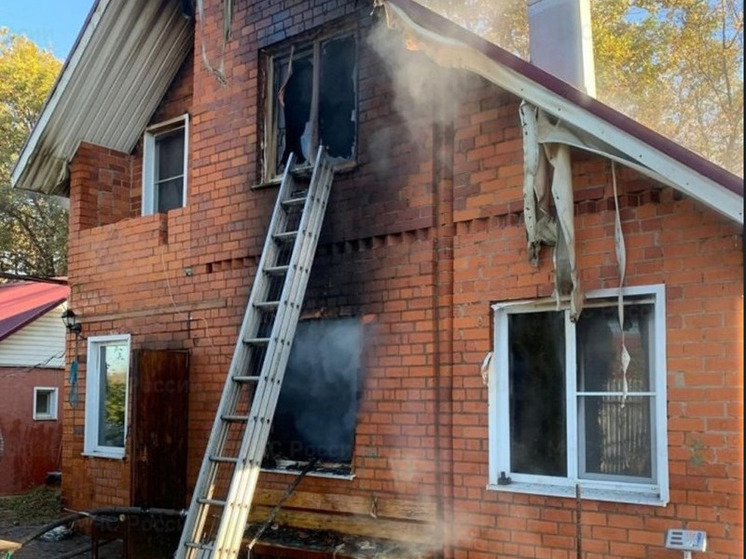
(559, 99)
(92, 21)
(34, 315)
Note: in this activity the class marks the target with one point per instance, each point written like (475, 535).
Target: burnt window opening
(316, 412)
(314, 101)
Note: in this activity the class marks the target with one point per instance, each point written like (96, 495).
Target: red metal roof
(445, 27)
(23, 302)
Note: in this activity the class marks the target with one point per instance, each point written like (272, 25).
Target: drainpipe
(561, 41)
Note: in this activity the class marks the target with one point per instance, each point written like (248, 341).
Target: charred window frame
(311, 99)
(563, 416)
(316, 414)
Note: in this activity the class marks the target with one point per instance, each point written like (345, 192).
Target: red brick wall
(126, 274)
(105, 179)
(29, 449)
(423, 234)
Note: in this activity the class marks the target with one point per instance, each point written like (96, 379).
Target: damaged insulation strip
(485, 369)
(541, 227)
(218, 72)
(621, 258)
(565, 266)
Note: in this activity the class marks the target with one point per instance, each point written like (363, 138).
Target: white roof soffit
(115, 77)
(576, 126)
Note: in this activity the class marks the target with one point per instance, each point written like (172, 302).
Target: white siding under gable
(39, 344)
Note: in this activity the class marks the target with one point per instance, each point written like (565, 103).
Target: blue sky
(52, 24)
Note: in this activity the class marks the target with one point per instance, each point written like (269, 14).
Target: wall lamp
(71, 321)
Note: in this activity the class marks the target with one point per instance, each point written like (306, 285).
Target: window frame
(51, 415)
(149, 205)
(270, 122)
(91, 447)
(655, 492)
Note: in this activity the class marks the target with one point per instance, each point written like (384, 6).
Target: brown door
(160, 400)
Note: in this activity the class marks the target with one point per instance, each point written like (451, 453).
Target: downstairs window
(107, 378)
(563, 414)
(45, 403)
(316, 412)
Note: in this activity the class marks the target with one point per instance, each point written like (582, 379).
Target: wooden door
(160, 404)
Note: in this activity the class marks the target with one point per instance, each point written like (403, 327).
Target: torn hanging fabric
(621, 258)
(72, 398)
(540, 226)
(559, 157)
(485, 369)
(288, 75)
(218, 72)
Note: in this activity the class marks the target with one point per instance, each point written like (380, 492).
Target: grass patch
(38, 506)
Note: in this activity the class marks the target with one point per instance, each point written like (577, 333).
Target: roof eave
(664, 160)
(118, 71)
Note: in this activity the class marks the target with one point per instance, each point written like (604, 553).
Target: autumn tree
(674, 65)
(33, 228)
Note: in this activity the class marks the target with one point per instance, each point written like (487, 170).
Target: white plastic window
(565, 416)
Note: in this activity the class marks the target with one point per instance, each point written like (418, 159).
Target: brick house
(32, 360)
(465, 393)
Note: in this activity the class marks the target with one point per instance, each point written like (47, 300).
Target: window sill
(45, 418)
(341, 169)
(588, 493)
(107, 455)
(294, 468)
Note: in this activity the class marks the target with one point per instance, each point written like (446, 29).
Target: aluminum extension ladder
(219, 511)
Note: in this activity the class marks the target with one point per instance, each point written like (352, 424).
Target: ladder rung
(276, 270)
(302, 171)
(245, 378)
(234, 418)
(267, 305)
(285, 236)
(295, 201)
(257, 341)
(224, 459)
(200, 546)
(213, 502)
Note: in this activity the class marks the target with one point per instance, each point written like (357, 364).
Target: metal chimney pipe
(561, 41)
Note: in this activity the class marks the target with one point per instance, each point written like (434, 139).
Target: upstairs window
(564, 415)
(313, 101)
(164, 174)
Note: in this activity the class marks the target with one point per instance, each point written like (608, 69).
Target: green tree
(674, 65)
(33, 228)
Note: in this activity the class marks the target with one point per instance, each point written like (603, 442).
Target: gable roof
(121, 65)
(23, 302)
(582, 120)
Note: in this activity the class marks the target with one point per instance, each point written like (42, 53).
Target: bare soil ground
(23, 515)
